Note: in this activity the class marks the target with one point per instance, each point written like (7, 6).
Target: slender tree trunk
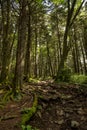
(74, 59)
(35, 68)
(59, 41)
(49, 59)
(84, 59)
(18, 76)
(76, 52)
(28, 47)
(85, 39)
(64, 54)
(55, 61)
(40, 62)
(5, 7)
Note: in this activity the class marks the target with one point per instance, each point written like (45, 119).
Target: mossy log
(27, 116)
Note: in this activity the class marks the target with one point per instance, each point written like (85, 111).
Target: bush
(80, 79)
(65, 75)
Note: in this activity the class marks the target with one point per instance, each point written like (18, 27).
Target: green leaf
(39, 1)
(29, 127)
(17, 1)
(23, 127)
(58, 1)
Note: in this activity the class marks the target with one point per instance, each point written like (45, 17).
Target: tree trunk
(18, 76)
(84, 59)
(64, 54)
(28, 48)
(35, 67)
(5, 6)
(74, 59)
(85, 39)
(49, 59)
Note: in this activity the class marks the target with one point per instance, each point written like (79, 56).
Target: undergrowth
(79, 79)
(28, 127)
(64, 75)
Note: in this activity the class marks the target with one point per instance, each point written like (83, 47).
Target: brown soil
(60, 107)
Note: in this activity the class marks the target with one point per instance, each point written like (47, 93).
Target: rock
(60, 122)
(60, 112)
(74, 124)
(80, 111)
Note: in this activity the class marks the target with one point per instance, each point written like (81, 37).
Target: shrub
(65, 75)
(81, 79)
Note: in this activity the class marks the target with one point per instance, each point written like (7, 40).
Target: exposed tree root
(28, 113)
(8, 117)
(7, 96)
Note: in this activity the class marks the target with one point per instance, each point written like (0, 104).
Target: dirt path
(60, 107)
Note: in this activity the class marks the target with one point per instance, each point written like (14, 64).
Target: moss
(27, 115)
(9, 95)
(28, 127)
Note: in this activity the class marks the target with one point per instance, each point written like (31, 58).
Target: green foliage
(33, 80)
(17, 1)
(39, 1)
(80, 79)
(54, 1)
(58, 1)
(65, 75)
(28, 127)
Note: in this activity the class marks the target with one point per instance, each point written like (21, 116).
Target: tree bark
(5, 8)
(22, 22)
(28, 48)
(35, 66)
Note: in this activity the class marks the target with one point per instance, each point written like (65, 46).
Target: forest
(43, 65)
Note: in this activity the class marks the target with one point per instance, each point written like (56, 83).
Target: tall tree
(22, 22)
(5, 9)
(28, 46)
(71, 16)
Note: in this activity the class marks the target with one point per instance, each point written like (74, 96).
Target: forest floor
(62, 107)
